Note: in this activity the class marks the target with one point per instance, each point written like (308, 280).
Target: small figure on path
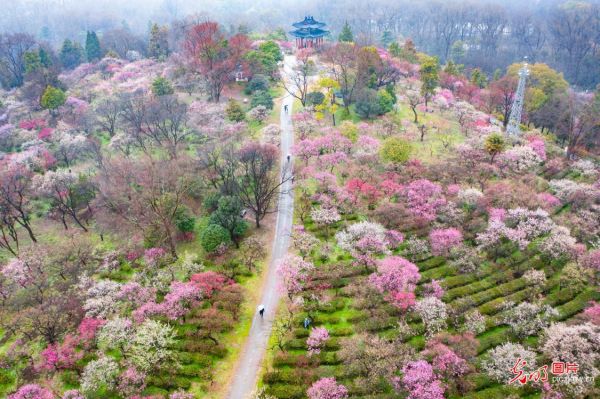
(261, 310)
(306, 322)
(285, 108)
(288, 157)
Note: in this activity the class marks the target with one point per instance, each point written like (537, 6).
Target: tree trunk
(76, 219)
(171, 240)
(64, 221)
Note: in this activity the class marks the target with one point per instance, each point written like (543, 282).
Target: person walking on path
(261, 310)
(285, 108)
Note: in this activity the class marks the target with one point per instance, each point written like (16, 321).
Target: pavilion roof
(309, 22)
(309, 33)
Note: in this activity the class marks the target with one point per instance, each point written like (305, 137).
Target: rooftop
(309, 22)
(309, 33)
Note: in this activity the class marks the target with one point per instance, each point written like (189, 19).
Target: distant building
(309, 33)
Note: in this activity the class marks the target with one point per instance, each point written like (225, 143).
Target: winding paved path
(245, 378)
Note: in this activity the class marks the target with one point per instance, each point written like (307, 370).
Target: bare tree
(166, 123)
(580, 121)
(108, 113)
(147, 194)
(575, 32)
(15, 195)
(343, 59)
(12, 64)
(296, 82)
(259, 184)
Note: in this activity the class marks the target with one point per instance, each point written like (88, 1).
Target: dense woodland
(139, 175)
(486, 34)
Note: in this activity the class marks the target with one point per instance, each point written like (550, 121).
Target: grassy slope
(490, 287)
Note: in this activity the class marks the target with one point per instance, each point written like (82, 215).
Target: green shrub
(341, 331)
(314, 98)
(386, 101)
(367, 104)
(349, 130)
(301, 333)
(7, 377)
(190, 370)
(69, 378)
(162, 87)
(575, 306)
(329, 358)
(431, 263)
(184, 220)
(234, 111)
(395, 150)
(262, 97)
(295, 344)
(211, 202)
(52, 98)
(493, 338)
(284, 391)
(496, 305)
(274, 377)
(437, 273)
(213, 236)
(258, 82)
(284, 359)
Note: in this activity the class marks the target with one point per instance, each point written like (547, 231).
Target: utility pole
(514, 121)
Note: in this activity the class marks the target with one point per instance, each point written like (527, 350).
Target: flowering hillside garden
(215, 213)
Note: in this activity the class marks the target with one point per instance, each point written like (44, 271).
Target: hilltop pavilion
(309, 33)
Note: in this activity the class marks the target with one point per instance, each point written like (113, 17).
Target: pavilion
(309, 33)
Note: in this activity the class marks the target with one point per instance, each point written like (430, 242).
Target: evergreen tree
(429, 77)
(395, 49)
(261, 97)
(158, 46)
(494, 144)
(234, 111)
(45, 33)
(32, 61)
(451, 68)
(478, 78)
(92, 47)
(457, 51)
(52, 98)
(497, 74)
(45, 58)
(387, 38)
(71, 54)
(162, 87)
(346, 34)
(229, 216)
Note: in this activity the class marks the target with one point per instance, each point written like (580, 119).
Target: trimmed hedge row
(579, 303)
(492, 293)
(431, 263)
(286, 391)
(437, 273)
(493, 338)
(477, 286)
(496, 305)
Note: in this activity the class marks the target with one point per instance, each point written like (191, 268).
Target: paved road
(245, 378)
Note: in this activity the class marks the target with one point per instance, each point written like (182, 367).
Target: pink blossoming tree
(316, 340)
(327, 388)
